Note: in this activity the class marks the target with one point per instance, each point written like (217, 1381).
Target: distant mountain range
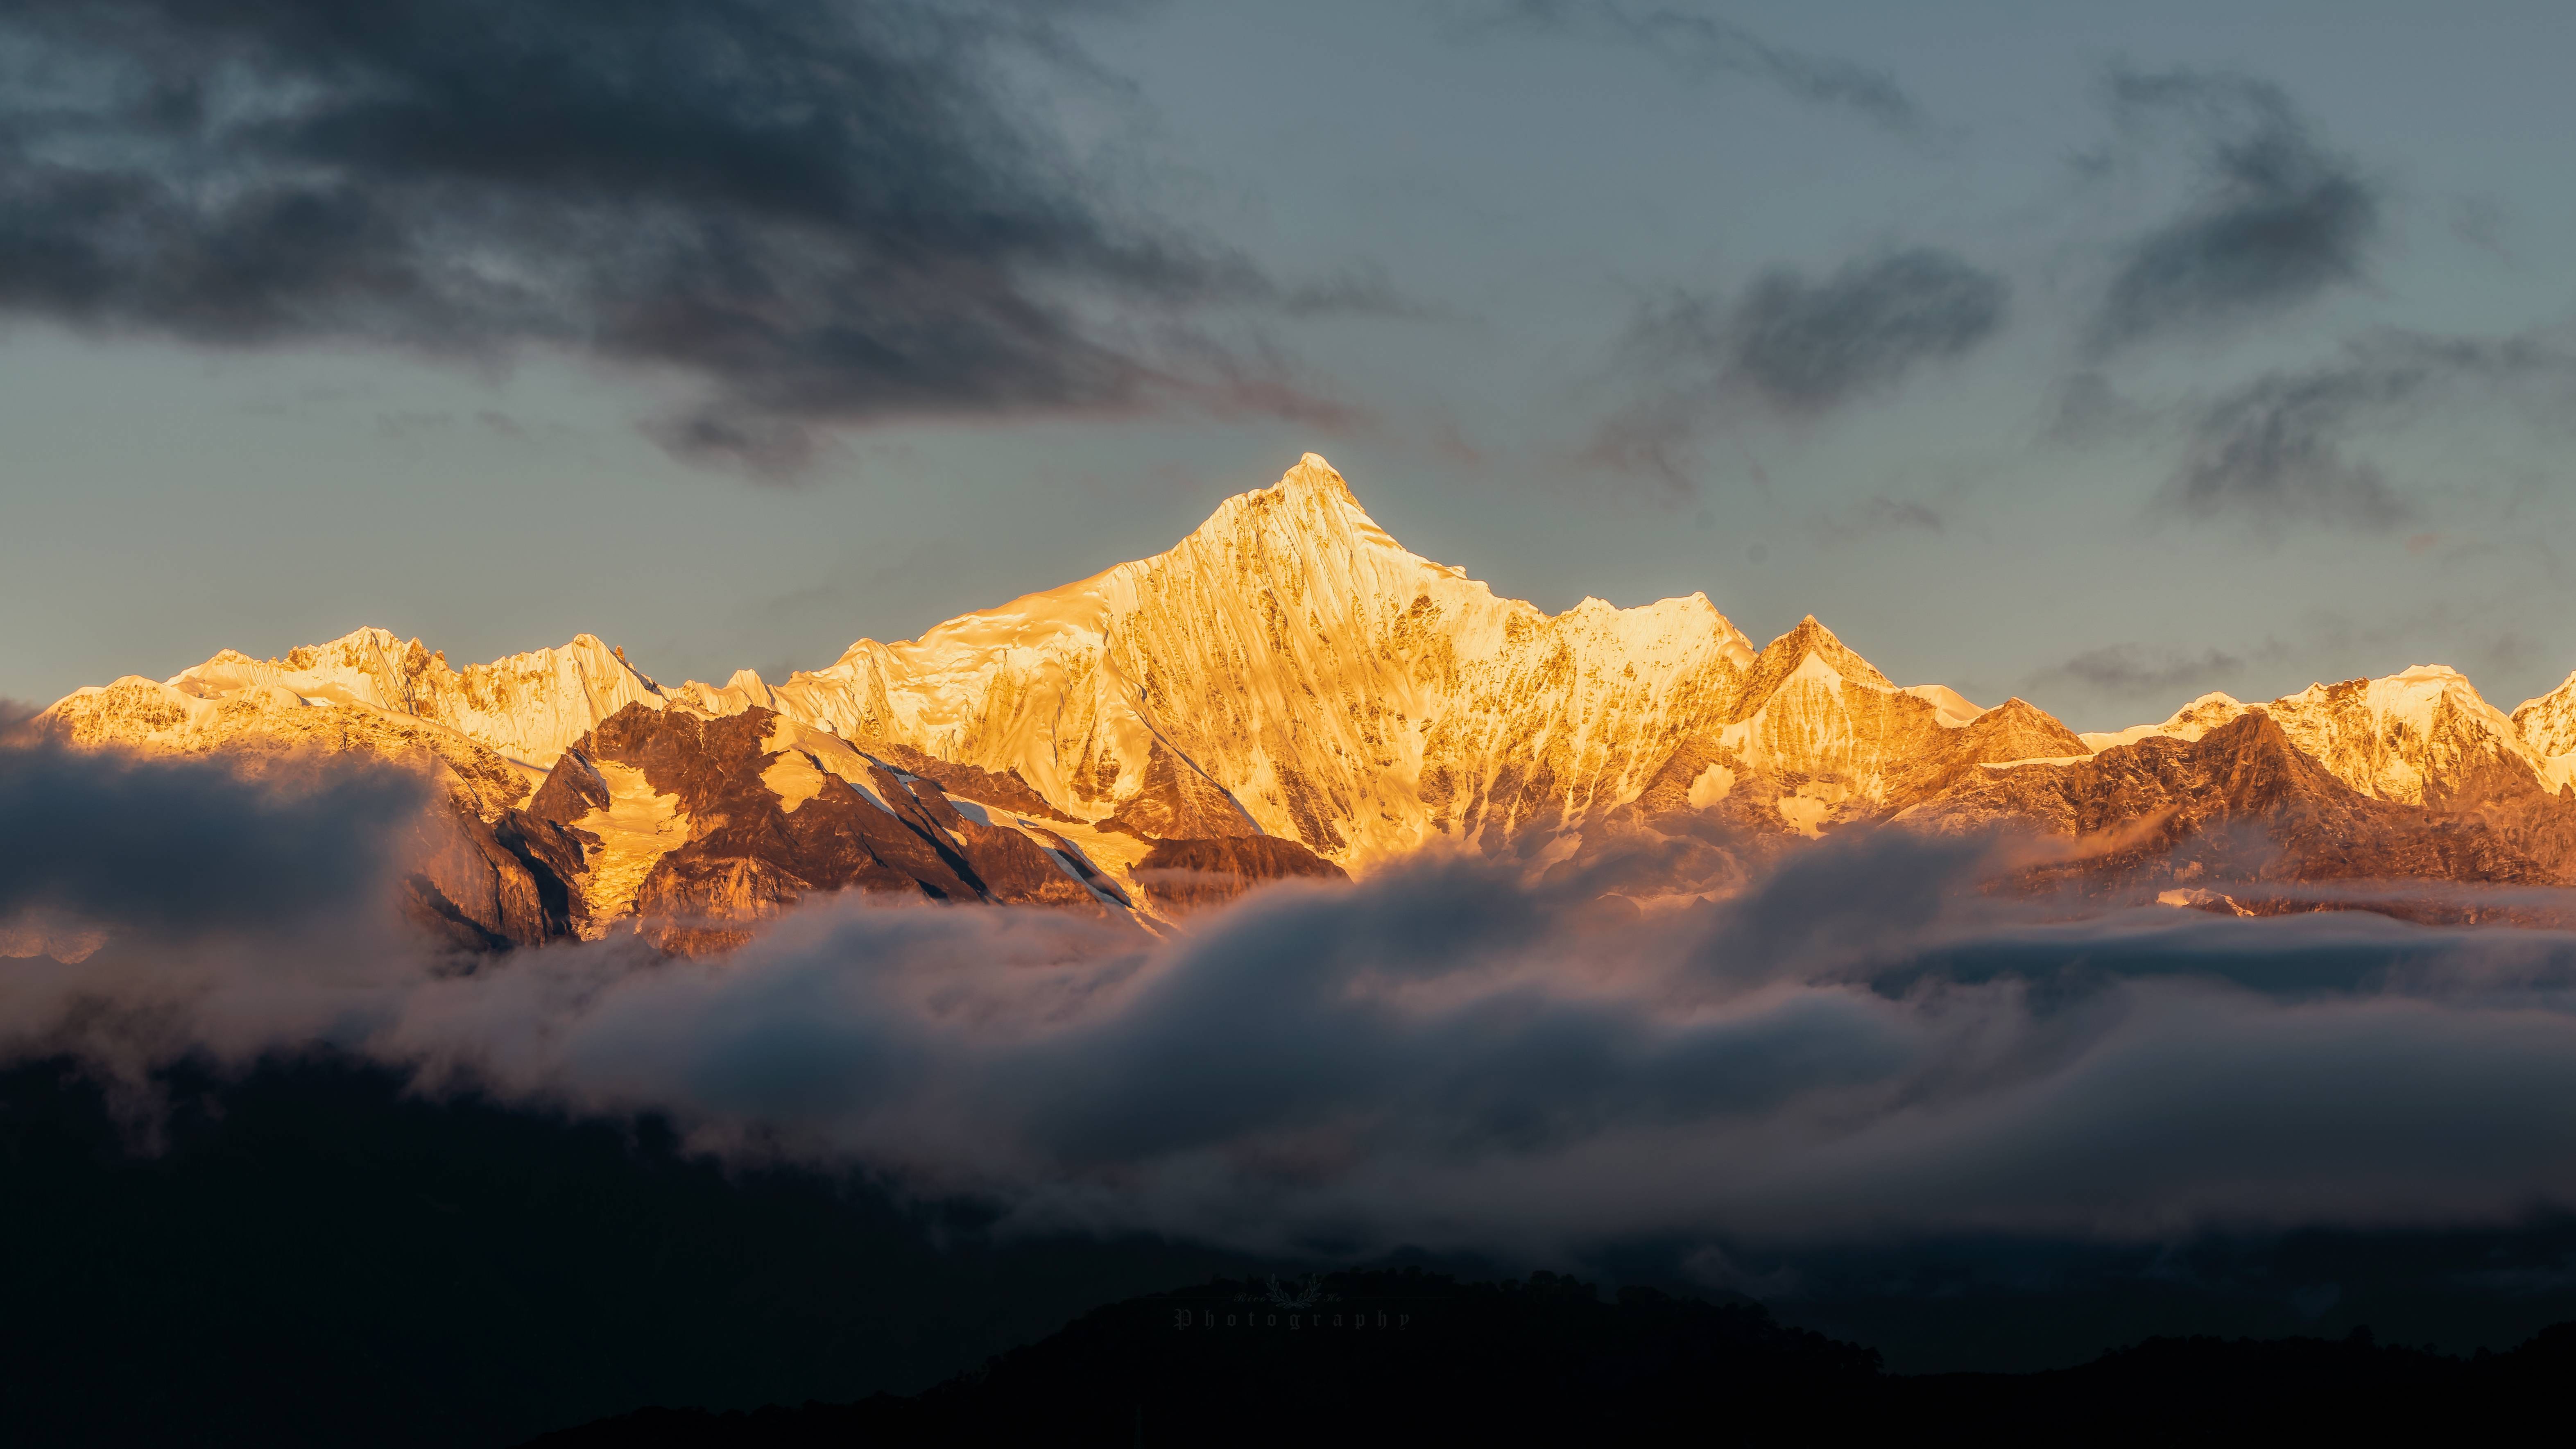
(1288, 692)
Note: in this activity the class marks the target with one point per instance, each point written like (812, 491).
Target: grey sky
(2100, 354)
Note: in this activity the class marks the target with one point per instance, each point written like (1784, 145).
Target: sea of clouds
(1860, 1046)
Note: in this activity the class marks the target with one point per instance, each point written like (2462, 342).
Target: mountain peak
(2548, 723)
(1313, 475)
(1788, 657)
(1811, 637)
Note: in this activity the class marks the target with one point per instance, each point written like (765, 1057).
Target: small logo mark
(1302, 1294)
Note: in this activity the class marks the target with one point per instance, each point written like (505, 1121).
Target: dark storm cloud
(1791, 345)
(2275, 217)
(1701, 46)
(177, 844)
(2273, 451)
(1811, 345)
(811, 212)
(1861, 1043)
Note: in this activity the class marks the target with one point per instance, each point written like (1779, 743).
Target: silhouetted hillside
(309, 1256)
(2283, 1391)
(1348, 1358)
(1419, 1358)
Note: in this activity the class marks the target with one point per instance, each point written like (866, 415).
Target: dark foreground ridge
(313, 1253)
(1417, 1357)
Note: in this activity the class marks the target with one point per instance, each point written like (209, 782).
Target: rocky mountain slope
(2422, 735)
(1288, 691)
(2243, 804)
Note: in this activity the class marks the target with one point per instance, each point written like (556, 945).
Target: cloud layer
(1700, 46)
(2276, 450)
(806, 212)
(1791, 345)
(2274, 220)
(185, 845)
(1861, 1045)
(2143, 670)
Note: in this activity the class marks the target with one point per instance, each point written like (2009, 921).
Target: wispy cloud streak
(1788, 345)
(2276, 451)
(1700, 46)
(2275, 218)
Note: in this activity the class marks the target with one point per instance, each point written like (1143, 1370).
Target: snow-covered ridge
(493, 729)
(1289, 667)
(527, 707)
(1346, 692)
(2190, 722)
(2423, 735)
(2548, 726)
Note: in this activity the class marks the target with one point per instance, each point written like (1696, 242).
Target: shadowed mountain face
(695, 826)
(692, 828)
(1289, 692)
(2241, 802)
(1183, 875)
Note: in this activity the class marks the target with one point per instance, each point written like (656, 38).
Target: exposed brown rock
(2240, 804)
(744, 851)
(1177, 801)
(1001, 788)
(1955, 756)
(471, 890)
(2016, 730)
(1073, 859)
(1018, 871)
(1187, 875)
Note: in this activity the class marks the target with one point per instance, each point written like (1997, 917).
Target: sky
(2097, 354)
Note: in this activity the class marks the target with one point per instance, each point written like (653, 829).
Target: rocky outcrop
(470, 889)
(2422, 735)
(1186, 875)
(693, 827)
(1001, 788)
(2241, 803)
(1175, 799)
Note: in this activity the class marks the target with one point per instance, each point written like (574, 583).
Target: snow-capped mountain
(527, 708)
(1342, 691)
(2242, 802)
(2423, 735)
(1336, 689)
(1290, 678)
(2548, 726)
(1287, 669)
